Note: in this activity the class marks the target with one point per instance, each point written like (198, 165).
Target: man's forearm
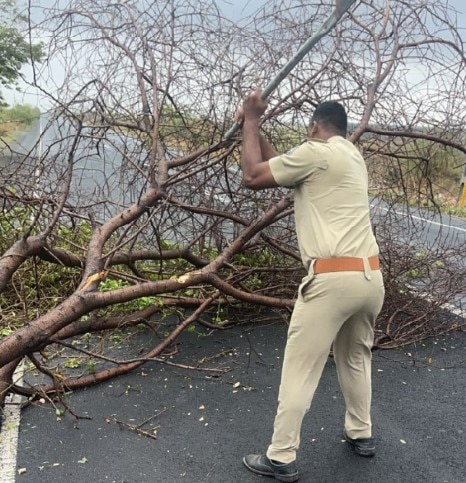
(256, 169)
(251, 154)
(267, 150)
(255, 153)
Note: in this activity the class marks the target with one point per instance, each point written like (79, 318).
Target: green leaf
(72, 363)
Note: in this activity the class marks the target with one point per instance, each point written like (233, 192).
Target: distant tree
(20, 113)
(15, 49)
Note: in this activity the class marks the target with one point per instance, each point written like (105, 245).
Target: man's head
(329, 119)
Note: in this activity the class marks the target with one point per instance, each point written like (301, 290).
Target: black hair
(332, 116)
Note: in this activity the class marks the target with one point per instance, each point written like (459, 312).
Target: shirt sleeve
(293, 168)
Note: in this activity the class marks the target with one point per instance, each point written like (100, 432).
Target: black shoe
(361, 446)
(261, 465)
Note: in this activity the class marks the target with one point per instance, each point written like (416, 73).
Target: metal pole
(342, 7)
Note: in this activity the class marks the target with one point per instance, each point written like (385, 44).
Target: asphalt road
(204, 425)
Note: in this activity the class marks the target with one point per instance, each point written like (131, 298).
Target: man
(340, 298)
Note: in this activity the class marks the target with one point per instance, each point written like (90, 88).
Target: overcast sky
(234, 9)
(238, 9)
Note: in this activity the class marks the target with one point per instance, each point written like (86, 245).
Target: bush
(21, 113)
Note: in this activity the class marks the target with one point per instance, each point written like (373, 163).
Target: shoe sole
(286, 478)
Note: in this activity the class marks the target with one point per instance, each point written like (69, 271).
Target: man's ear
(312, 129)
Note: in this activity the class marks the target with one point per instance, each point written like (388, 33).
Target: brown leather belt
(344, 264)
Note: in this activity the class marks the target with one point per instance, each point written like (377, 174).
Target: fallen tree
(129, 208)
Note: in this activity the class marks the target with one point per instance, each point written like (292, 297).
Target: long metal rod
(342, 7)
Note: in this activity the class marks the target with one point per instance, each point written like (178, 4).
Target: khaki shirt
(330, 197)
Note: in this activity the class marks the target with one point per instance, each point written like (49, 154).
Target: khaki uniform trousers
(338, 308)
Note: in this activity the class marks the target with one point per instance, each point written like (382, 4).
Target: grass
(458, 211)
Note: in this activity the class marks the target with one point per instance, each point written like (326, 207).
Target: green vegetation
(184, 129)
(36, 286)
(23, 114)
(15, 120)
(459, 211)
(15, 49)
(418, 172)
(15, 52)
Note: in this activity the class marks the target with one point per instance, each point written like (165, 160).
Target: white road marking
(9, 433)
(401, 213)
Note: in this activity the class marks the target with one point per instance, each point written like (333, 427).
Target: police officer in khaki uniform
(340, 298)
